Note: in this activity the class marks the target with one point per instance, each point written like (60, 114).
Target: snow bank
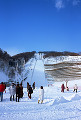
(60, 100)
(75, 97)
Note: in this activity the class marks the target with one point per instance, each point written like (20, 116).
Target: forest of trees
(25, 55)
(55, 53)
(8, 64)
(4, 55)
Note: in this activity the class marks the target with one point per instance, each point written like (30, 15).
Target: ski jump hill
(36, 72)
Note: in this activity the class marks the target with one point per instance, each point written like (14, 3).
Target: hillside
(4, 55)
(64, 68)
(57, 67)
(11, 66)
(56, 53)
(25, 55)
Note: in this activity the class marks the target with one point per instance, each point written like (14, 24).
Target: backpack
(31, 91)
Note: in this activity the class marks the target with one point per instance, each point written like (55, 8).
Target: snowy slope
(36, 72)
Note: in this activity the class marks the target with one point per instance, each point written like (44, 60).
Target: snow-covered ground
(56, 105)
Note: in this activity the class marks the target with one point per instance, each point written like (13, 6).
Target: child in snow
(75, 88)
(41, 95)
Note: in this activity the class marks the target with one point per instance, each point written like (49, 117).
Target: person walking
(21, 90)
(62, 88)
(41, 95)
(12, 90)
(17, 92)
(2, 89)
(75, 88)
(30, 91)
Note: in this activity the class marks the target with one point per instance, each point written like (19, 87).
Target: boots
(38, 101)
(41, 101)
(11, 98)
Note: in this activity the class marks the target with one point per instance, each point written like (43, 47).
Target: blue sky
(40, 25)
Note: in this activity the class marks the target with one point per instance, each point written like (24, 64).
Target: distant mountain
(12, 65)
(4, 55)
(79, 53)
(55, 53)
(25, 55)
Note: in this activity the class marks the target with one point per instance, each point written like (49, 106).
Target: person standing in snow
(30, 91)
(41, 95)
(21, 90)
(12, 90)
(62, 88)
(67, 88)
(2, 89)
(75, 88)
(17, 92)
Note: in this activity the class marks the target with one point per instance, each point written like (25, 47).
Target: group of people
(67, 88)
(16, 89)
(30, 91)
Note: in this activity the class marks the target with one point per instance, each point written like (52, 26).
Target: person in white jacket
(41, 95)
(75, 88)
(12, 90)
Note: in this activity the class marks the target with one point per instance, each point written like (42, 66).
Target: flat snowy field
(56, 105)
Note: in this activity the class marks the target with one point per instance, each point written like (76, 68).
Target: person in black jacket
(21, 91)
(30, 91)
(17, 92)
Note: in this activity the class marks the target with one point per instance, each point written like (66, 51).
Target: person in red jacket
(2, 88)
(62, 88)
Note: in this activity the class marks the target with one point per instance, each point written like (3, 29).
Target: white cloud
(59, 4)
(76, 2)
